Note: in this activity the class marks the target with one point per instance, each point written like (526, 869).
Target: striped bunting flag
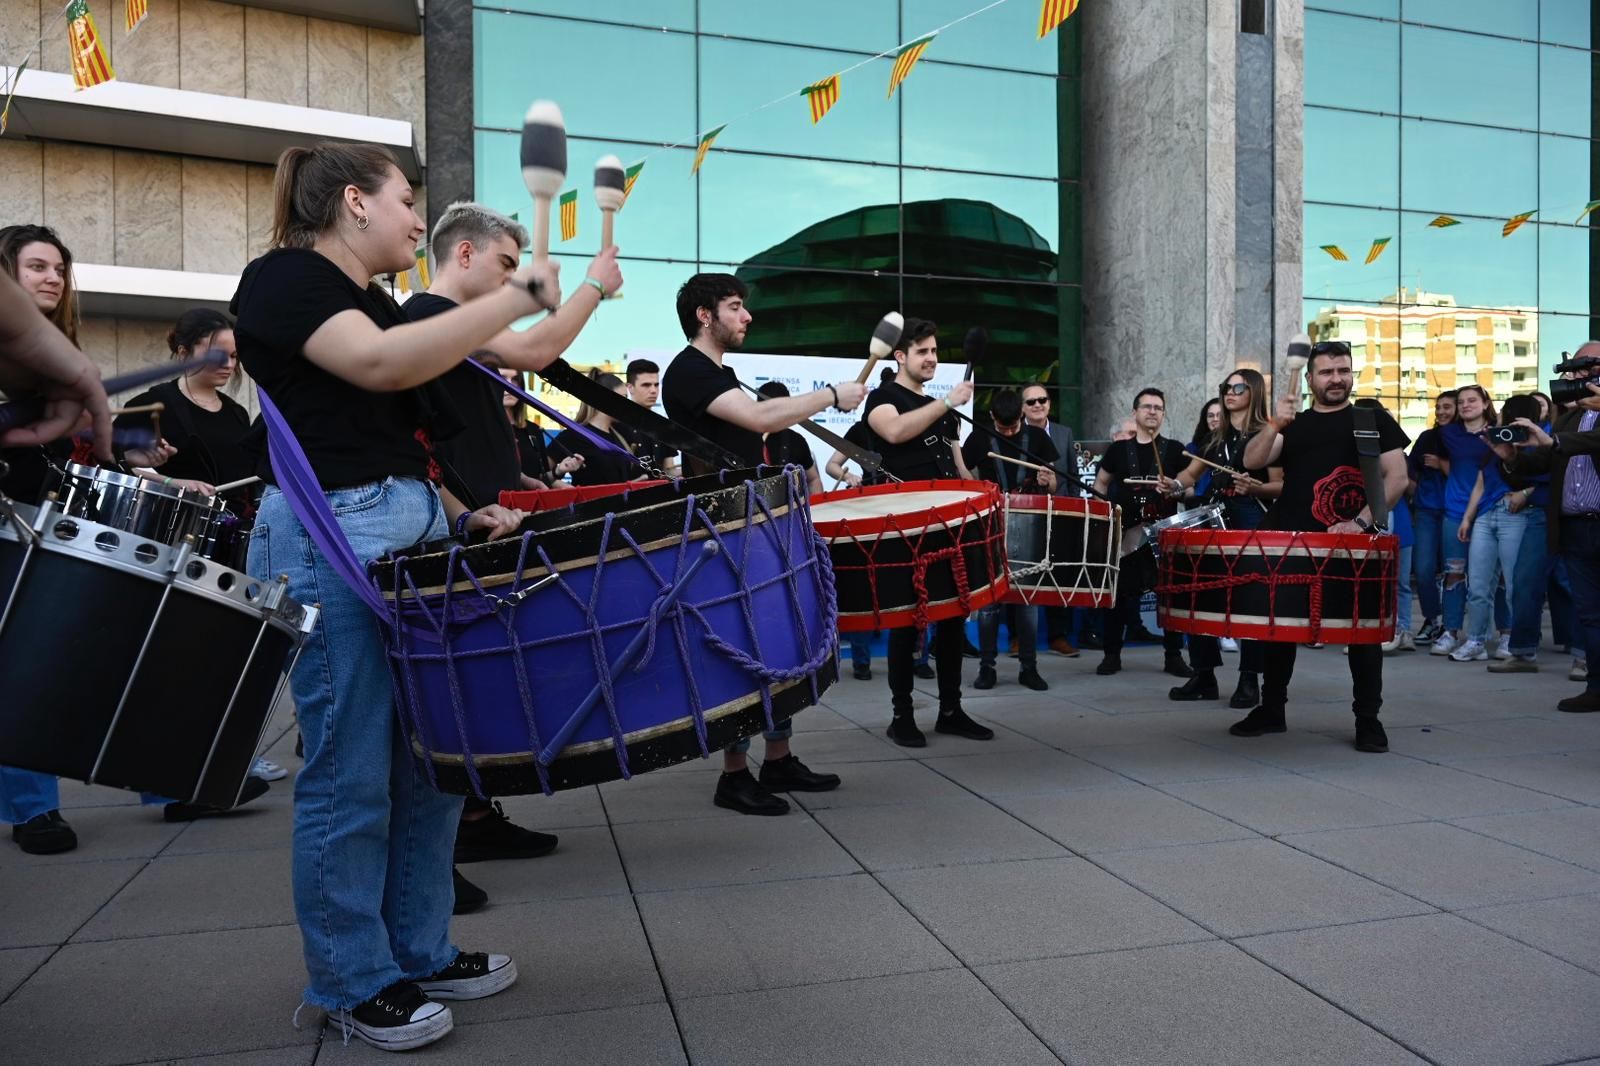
(1515, 222)
(422, 268)
(1377, 248)
(630, 176)
(133, 13)
(822, 95)
(1053, 13)
(1337, 252)
(1444, 222)
(1587, 209)
(705, 146)
(569, 215)
(89, 63)
(907, 58)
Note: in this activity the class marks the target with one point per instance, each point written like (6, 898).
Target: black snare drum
(155, 512)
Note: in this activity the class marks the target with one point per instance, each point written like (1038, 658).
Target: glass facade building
(956, 199)
(1433, 123)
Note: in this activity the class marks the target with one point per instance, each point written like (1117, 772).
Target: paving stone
(1007, 911)
(195, 893)
(585, 863)
(568, 809)
(1494, 738)
(112, 832)
(942, 746)
(924, 1019)
(662, 798)
(16, 964)
(820, 720)
(571, 955)
(1437, 791)
(741, 938)
(1288, 803)
(1241, 887)
(1298, 751)
(1574, 776)
(193, 995)
(47, 904)
(295, 1055)
(661, 856)
(266, 824)
(1501, 1003)
(938, 833)
(1446, 865)
(1190, 1003)
(1039, 770)
(1163, 761)
(75, 795)
(638, 1036)
(833, 748)
(1114, 819)
(875, 784)
(1572, 834)
(1568, 928)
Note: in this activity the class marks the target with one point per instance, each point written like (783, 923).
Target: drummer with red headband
(1323, 491)
(917, 438)
(701, 393)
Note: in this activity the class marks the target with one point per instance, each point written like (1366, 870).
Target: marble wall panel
(258, 210)
(98, 339)
(214, 209)
(141, 343)
(449, 140)
(78, 200)
(395, 79)
(212, 57)
(19, 28)
(275, 56)
(150, 55)
(1288, 170)
(21, 182)
(148, 230)
(53, 53)
(336, 57)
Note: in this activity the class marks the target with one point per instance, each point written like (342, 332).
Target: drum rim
(1188, 540)
(100, 474)
(1172, 523)
(1041, 503)
(833, 528)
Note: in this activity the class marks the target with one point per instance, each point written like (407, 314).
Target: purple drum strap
(545, 409)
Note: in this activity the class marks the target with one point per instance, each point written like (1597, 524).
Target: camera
(1571, 390)
(1509, 434)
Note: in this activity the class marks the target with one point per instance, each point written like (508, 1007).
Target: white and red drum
(915, 552)
(1331, 588)
(1062, 551)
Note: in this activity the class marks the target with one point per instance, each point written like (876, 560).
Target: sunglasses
(1238, 388)
(1037, 401)
(1330, 348)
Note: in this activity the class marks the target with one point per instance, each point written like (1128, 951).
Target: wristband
(835, 397)
(589, 280)
(1362, 524)
(948, 405)
(461, 522)
(165, 482)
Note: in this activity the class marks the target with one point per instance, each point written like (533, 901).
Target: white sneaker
(268, 770)
(1502, 647)
(1229, 644)
(1402, 642)
(1446, 644)
(1469, 652)
(1579, 671)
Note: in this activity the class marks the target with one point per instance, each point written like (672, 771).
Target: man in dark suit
(1036, 410)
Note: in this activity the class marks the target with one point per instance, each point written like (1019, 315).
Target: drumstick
(241, 483)
(1022, 462)
(1214, 466)
(544, 167)
(148, 408)
(610, 182)
(884, 338)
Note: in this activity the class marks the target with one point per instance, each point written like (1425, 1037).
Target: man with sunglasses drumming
(1036, 411)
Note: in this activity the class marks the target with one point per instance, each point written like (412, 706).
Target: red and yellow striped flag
(133, 13)
(1335, 251)
(569, 215)
(1444, 222)
(422, 268)
(11, 94)
(822, 96)
(705, 146)
(907, 58)
(630, 176)
(1377, 248)
(1053, 13)
(1515, 222)
(89, 63)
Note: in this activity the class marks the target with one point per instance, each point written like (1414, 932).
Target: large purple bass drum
(612, 637)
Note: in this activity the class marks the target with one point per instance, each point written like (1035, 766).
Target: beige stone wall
(146, 209)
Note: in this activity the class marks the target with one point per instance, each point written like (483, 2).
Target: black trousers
(1366, 677)
(1205, 653)
(1126, 613)
(948, 644)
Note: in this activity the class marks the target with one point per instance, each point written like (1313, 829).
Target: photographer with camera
(1573, 509)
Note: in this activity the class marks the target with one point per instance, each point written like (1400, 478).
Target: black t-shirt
(214, 446)
(925, 457)
(645, 447)
(351, 436)
(1322, 483)
(788, 446)
(600, 466)
(1009, 476)
(1229, 452)
(531, 453)
(691, 383)
(480, 461)
(1128, 458)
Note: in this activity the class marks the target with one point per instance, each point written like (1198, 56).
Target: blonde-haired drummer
(917, 435)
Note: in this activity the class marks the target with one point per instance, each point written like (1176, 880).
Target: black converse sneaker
(474, 976)
(397, 1019)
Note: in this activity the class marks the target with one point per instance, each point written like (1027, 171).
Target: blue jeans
(860, 647)
(1427, 557)
(1580, 547)
(1491, 554)
(24, 795)
(373, 841)
(1528, 583)
(1454, 601)
(1404, 596)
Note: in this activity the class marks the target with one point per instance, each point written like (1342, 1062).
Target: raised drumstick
(884, 338)
(241, 483)
(1021, 462)
(544, 167)
(1214, 466)
(609, 182)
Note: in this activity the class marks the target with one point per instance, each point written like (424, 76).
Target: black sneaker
(1090, 641)
(862, 671)
(1109, 665)
(925, 671)
(789, 774)
(1247, 694)
(986, 678)
(254, 789)
(1257, 722)
(1370, 735)
(474, 976)
(1202, 686)
(469, 897)
(45, 834)
(904, 732)
(1030, 679)
(399, 1018)
(956, 723)
(495, 837)
(740, 791)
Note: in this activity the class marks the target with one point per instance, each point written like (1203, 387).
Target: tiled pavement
(1112, 880)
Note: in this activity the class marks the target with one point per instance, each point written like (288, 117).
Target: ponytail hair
(195, 325)
(609, 382)
(308, 189)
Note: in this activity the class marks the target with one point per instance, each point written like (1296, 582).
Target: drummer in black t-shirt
(788, 447)
(1323, 491)
(644, 389)
(917, 438)
(702, 394)
(1138, 458)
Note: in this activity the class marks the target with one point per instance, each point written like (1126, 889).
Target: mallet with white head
(544, 167)
(884, 338)
(610, 182)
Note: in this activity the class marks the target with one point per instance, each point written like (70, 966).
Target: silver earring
(361, 223)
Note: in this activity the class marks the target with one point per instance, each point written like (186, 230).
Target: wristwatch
(1363, 524)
